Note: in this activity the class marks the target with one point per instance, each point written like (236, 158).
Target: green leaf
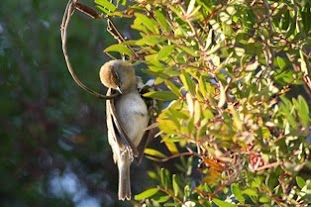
(303, 111)
(187, 191)
(221, 203)
(264, 199)
(189, 50)
(300, 182)
(161, 19)
(176, 188)
(222, 95)
(188, 82)
(146, 194)
(119, 48)
(173, 88)
(151, 40)
(303, 63)
(237, 192)
(171, 147)
(165, 177)
(149, 23)
(161, 199)
(167, 123)
(155, 153)
(236, 118)
(165, 52)
(161, 95)
(281, 62)
(250, 192)
(106, 4)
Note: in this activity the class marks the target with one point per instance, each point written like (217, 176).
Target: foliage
(236, 73)
(231, 80)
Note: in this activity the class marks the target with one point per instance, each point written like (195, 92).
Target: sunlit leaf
(106, 4)
(176, 188)
(155, 153)
(165, 52)
(237, 193)
(148, 22)
(119, 48)
(188, 82)
(300, 182)
(303, 111)
(161, 95)
(161, 19)
(173, 88)
(221, 203)
(146, 194)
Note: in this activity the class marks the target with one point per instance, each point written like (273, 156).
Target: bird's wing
(151, 130)
(116, 128)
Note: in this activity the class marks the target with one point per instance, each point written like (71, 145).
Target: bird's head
(119, 75)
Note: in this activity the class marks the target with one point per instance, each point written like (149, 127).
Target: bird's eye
(117, 79)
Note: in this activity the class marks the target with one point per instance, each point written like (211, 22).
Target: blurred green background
(54, 149)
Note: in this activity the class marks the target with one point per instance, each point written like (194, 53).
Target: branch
(69, 11)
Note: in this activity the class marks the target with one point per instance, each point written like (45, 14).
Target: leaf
(151, 40)
(303, 63)
(173, 88)
(197, 112)
(161, 199)
(149, 23)
(250, 192)
(106, 4)
(188, 82)
(281, 62)
(165, 177)
(167, 123)
(172, 147)
(237, 192)
(300, 182)
(221, 203)
(251, 67)
(176, 188)
(236, 118)
(154, 153)
(161, 19)
(190, 104)
(146, 194)
(190, 6)
(189, 50)
(264, 199)
(187, 191)
(303, 111)
(165, 52)
(222, 95)
(161, 95)
(119, 48)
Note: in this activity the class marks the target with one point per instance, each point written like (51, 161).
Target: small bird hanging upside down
(127, 119)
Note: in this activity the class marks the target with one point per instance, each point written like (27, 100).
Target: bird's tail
(124, 179)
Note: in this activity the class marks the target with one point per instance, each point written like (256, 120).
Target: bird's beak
(119, 89)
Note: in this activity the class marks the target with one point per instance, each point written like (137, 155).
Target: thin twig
(171, 195)
(267, 166)
(69, 11)
(176, 156)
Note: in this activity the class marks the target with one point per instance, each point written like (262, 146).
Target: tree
(234, 77)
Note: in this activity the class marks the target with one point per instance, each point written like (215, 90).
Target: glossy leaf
(122, 49)
(146, 194)
(161, 95)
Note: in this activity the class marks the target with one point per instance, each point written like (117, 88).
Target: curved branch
(69, 11)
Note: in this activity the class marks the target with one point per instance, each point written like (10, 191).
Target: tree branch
(69, 11)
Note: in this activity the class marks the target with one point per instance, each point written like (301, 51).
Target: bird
(127, 119)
